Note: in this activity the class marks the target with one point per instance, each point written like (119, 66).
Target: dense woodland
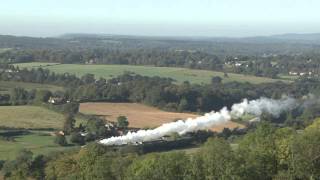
(265, 153)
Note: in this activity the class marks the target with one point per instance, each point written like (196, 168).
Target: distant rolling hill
(220, 46)
(285, 39)
(304, 37)
(314, 37)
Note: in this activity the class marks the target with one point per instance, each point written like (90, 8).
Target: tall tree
(69, 122)
(122, 122)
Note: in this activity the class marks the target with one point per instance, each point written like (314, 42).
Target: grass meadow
(37, 142)
(31, 117)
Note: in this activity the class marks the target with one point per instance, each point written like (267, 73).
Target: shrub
(77, 138)
(61, 140)
(122, 122)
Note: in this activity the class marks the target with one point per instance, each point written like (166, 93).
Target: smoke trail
(255, 107)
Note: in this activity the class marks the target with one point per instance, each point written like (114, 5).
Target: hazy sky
(159, 17)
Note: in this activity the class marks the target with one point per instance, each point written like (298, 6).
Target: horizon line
(160, 36)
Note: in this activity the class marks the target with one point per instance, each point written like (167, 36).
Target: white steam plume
(255, 107)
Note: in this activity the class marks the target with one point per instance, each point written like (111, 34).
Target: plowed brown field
(141, 116)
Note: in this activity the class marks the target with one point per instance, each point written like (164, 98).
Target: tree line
(153, 91)
(264, 153)
(129, 87)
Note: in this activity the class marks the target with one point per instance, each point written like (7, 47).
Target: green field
(289, 77)
(31, 117)
(2, 50)
(179, 74)
(6, 86)
(37, 65)
(38, 143)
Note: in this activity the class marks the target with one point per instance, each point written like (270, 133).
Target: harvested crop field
(140, 116)
(230, 125)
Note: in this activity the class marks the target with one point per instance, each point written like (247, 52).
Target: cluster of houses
(57, 100)
(299, 73)
(183, 50)
(9, 70)
(91, 61)
(237, 63)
